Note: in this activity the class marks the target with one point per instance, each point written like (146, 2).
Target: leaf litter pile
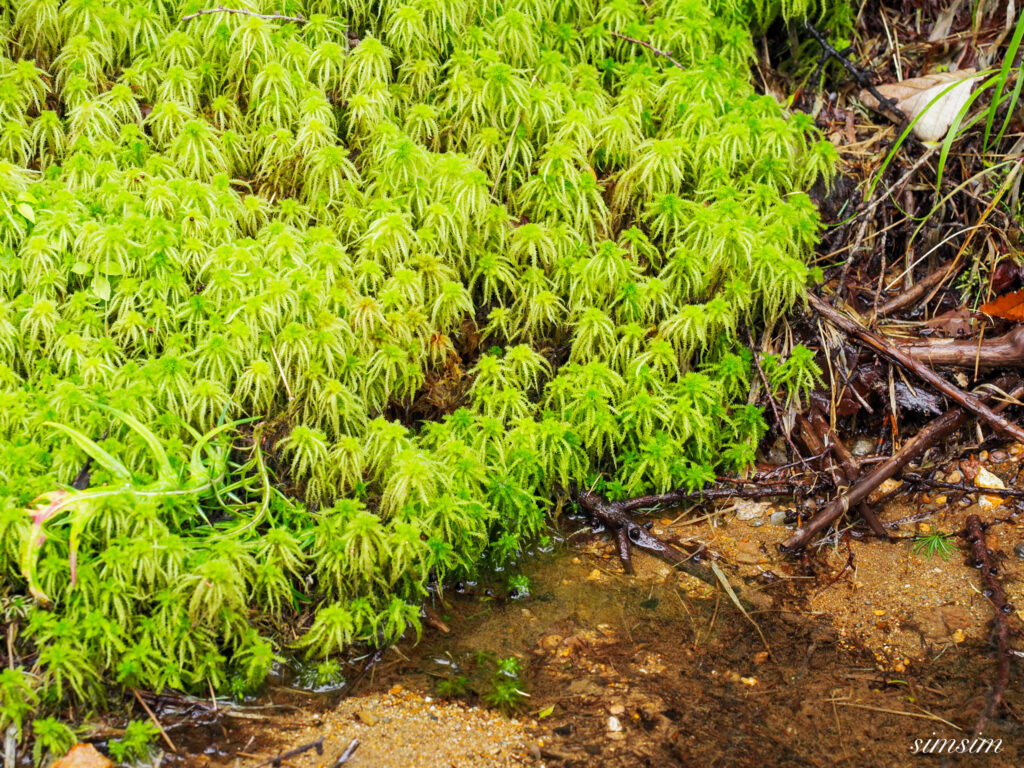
(312, 310)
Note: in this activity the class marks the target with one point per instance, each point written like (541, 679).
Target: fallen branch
(874, 342)
(614, 516)
(932, 433)
(1000, 623)
(828, 51)
(1006, 351)
(919, 289)
(817, 431)
(244, 12)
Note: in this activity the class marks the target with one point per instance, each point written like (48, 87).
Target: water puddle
(654, 669)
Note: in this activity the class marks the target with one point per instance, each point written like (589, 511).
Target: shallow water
(657, 669)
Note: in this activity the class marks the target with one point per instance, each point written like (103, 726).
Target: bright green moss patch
(308, 227)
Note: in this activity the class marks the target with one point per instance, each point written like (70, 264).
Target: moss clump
(319, 225)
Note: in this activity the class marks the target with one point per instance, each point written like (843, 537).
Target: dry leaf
(83, 756)
(913, 97)
(1008, 307)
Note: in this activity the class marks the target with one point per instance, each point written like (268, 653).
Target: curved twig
(244, 12)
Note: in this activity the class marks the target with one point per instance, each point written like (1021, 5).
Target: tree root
(614, 517)
(975, 530)
(1006, 351)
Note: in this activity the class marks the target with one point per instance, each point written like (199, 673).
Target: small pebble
(1018, 550)
(954, 476)
(998, 456)
(614, 726)
(862, 446)
(778, 518)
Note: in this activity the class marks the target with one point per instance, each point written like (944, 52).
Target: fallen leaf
(956, 323)
(1008, 307)
(83, 756)
(914, 96)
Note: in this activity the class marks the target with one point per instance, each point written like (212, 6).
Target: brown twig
(345, 756)
(163, 733)
(873, 341)
(318, 745)
(849, 472)
(933, 432)
(649, 47)
(614, 516)
(1000, 623)
(909, 297)
(244, 12)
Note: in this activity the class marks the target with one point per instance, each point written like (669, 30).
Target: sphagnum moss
(227, 217)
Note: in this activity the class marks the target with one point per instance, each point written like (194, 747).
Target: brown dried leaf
(1008, 307)
(83, 756)
(914, 95)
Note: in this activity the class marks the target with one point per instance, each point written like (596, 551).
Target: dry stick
(317, 745)
(345, 756)
(1000, 623)
(1006, 351)
(908, 297)
(152, 716)
(934, 431)
(873, 341)
(243, 12)
(649, 47)
(850, 471)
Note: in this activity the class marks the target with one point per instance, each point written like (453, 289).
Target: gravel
(403, 729)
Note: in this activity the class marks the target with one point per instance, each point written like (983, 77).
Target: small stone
(863, 446)
(954, 476)
(756, 523)
(761, 657)
(614, 726)
(1016, 449)
(778, 518)
(750, 510)
(365, 717)
(595, 575)
(616, 709)
(550, 642)
(998, 456)
(1018, 549)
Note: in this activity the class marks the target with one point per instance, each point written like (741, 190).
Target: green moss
(234, 249)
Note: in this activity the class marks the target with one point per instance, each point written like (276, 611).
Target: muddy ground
(849, 665)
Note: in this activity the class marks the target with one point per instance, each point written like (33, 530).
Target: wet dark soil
(658, 669)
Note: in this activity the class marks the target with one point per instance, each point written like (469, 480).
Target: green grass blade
(94, 450)
(997, 97)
